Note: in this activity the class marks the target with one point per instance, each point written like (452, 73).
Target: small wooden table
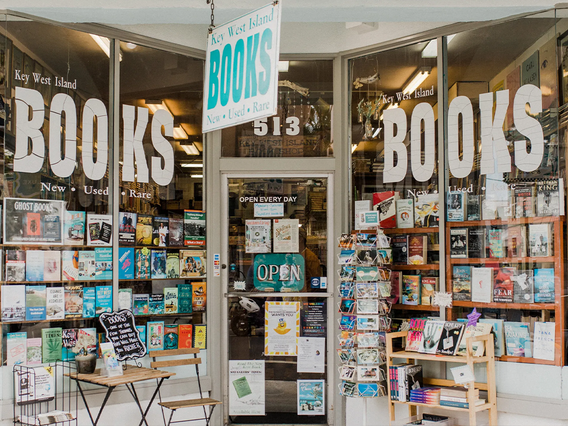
(130, 376)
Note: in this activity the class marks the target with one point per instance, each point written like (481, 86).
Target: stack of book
(430, 395)
(404, 378)
(457, 397)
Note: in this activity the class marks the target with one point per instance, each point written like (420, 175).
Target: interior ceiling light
(190, 149)
(193, 165)
(104, 44)
(283, 66)
(431, 49)
(156, 104)
(131, 46)
(196, 176)
(179, 133)
(416, 80)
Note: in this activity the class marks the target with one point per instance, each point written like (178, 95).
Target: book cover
(415, 334)
(171, 336)
(496, 207)
(142, 333)
(399, 244)
(413, 380)
(170, 300)
(87, 265)
(185, 336)
(427, 210)
(89, 302)
(385, 204)
(547, 198)
(476, 243)
(199, 296)
(172, 265)
(461, 282)
(458, 243)
(405, 213)
(103, 263)
(16, 348)
(518, 339)
(70, 265)
(544, 339)
(35, 302)
(69, 339)
(127, 228)
(258, 237)
(73, 301)
(523, 286)
(111, 365)
(431, 336)
(200, 336)
(194, 228)
(156, 304)
(15, 265)
(396, 287)
(33, 351)
(144, 230)
(544, 285)
(52, 265)
(481, 284)
(478, 348)
(74, 228)
(176, 232)
(410, 289)
(125, 299)
(160, 231)
(417, 249)
(428, 286)
(503, 286)
(126, 263)
(87, 339)
(456, 206)
(142, 266)
(13, 302)
(498, 334)
(158, 264)
(524, 200)
(104, 299)
(185, 305)
(140, 302)
(192, 264)
(51, 344)
(496, 242)
(473, 209)
(155, 335)
(540, 239)
(34, 265)
(451, 336)
(99, 229)
(54, 303)
(517, 241)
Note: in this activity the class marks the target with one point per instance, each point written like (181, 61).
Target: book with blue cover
(461, 282)
(142, 332)
(34, 265)
(158, 264)
(89, 302)
(156, 304)
(35, 302)
(103, 263)
(518, 339)
(104, 299)
(143, 260)
(126, 263)
(498, 334)
(544, 285)
(74, 228)
(184, 299)
(140, 304)
(155, 335)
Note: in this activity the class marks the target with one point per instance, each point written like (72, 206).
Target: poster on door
(246, 388)
(282, 328)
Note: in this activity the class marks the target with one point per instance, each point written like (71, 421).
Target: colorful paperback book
(140, 302)
(431, 336)
(478, 348)
(160, 231)
(69, 339)
(158, 259)
(15, 265)
(199, 296)
(194, 228)
(517, 241)
(52, 265)
(176, 232)
(142, 266)
(74, 228)
(192, 264)
(544, 285)
(172, 265)
(476, 243)
(427, 210)
(51, 344)
(171, 336)
(518, 339)
(33, 351)
(170, 300)
(200, 336)
(89, 302)
(73, 301)
(503, 286)
(523, 286)
(127, 228)
(185, 293)
(496, 243)
(87, 265)
(415, 334)
(35, 302)
(547, 198)
(405, 213)
(111, 366)
(185, 336)
(70, 265)
(524, 199)
(473, 209)
(99, 229)
(429, 285)
(410, 289)
(87, 339)
(125, 299)
(498, 334)
(155, 335)
(144, 230)
(451, 336)
(142, 333)
(417, 249)
(461, 282)
(104, 299)
(16, 348)
(540, 239)
(458, 243)
(385, 204)
(126, 263)
(13, 302)
(544, 340)
(456, 206)
(481, 285)
(34, 265)
(103, 263)
(54, 303)
(156, 304)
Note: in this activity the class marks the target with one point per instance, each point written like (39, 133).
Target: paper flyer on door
(282, 328)
(246, 389)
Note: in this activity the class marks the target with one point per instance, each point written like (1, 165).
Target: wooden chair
(185, 403)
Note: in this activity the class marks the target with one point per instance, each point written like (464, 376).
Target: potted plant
(86, 362)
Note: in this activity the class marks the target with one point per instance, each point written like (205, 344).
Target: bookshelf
(488, 359)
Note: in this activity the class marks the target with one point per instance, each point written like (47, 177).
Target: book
(399, 244)
(144, 230)
(127, 228)
(176, 232)
(200, 336)
(417, 249)
(544, 285)
(126, 263)
(547, 198)
(156, 304)
(51, 344)
(524, 200)
(99, 229)
(33, 351)
(517, 241)
(73, 301)
(544, 340)
(160, 231)
(69, 339)
(478, 348)
(503, 286)
(496, 206)
(34, 265)
(111, 367)
(16, 348)
(140, 303)
(52, 265)
(405, 213)
(431, 336)
(450, 339)
(35, 302)
(185, 304)
(427, 210)
(103, 263)
(142, 334)
(523, 286)
(461, 282)
(70, 265)
(142, 265)
(192, 264)
(15, 265)
(413, 380)
(34, 385)
(385, 204)
(481, 284)
(456, 206)
(171, 336)
(199, 296)
(428, 286)
(496, 242)
(172, 265)
(13, 302)
(54, 303)
(87, 339)
(498, 334)
(194, 228)
(104, 299)
(155, 335)
(87, 265)
(158, 264)
(170, 300)
(473, 209)
(458, 243)
(410, 289)
(517, 339)
(185, 333)
(89, 302)
(125, 299)
(415, 334)
(74, 228)
(395, 280)
(540, 239)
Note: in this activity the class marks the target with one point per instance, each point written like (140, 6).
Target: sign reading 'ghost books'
(121, 331)
(241, 69)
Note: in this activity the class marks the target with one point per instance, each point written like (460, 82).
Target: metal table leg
(94, 422)
(150, 403)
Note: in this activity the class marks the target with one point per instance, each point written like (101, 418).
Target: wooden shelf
(485, 260)
(504, 222)
(53, 282)
(524, 360)
(425, 308)
(48, 321)
(430, 357)
(498, 305)
(427, 267)
(167, 315)
(161, 279)
(394, 231)
(481, 407)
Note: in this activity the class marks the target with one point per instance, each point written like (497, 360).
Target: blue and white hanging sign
(241, 69)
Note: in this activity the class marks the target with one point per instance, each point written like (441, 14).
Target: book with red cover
(415, 334)
(185, 336)
(385, 203)
(504, 284)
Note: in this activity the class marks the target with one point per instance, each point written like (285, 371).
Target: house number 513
(261, 126)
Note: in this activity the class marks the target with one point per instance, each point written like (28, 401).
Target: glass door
(278, 300)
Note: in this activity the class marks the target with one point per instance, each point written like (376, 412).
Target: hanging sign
(241, 69)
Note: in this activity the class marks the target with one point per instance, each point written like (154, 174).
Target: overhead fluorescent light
(416, 80)
(392, 105)
(179, 133)
(104, 44)
(190, 149)
(193, 165)
(431, 49)
(196, 176)
(156, 104)
(283, 66)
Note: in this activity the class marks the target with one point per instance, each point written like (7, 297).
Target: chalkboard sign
(122, 333)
